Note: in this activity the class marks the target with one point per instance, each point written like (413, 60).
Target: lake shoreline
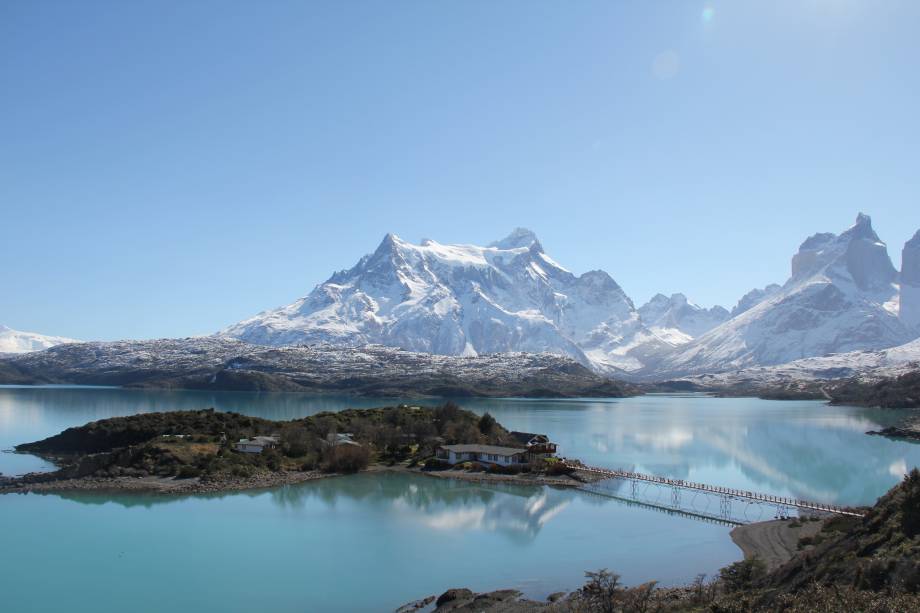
(264, 480)
(774, 541)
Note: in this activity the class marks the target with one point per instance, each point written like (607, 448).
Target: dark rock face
(910, 284)
(454, 594)
(910, 261)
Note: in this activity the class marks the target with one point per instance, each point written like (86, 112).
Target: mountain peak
(862, 228)
(678, 298)
(857, 252)
(389, 245)
(519, 237)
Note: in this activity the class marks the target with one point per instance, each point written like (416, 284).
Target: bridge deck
(715, 489)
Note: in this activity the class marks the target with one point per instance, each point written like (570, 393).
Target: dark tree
(486, 423)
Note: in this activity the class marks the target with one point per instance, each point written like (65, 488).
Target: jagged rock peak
(857, 253)
(680, 314)
(862, 228)
(519, 237)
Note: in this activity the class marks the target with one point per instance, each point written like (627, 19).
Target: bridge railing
(724, 491)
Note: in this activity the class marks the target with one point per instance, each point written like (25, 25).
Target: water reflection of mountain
(805, 449)
(439, 504)
(519, 512)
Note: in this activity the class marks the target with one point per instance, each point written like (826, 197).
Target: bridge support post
(634, 488)
(725, 507)
(675, 497)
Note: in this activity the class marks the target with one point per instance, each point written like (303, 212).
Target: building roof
(493, 449)
(526, 437)
(259, 440)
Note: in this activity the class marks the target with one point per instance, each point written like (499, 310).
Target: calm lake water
(373, 542)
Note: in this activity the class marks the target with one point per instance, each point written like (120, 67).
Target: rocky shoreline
(161, 485)
(908, 429)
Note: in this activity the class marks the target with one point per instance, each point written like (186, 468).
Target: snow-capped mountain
(14, 341)
(678, 320)
(465, 300)
(842, 296)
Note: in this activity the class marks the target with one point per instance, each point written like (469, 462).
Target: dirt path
(774, 542)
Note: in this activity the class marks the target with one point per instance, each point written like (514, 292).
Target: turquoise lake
(374, 542)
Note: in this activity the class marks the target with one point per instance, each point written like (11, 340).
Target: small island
(185, 452)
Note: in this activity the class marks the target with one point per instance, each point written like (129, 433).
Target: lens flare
(708, 14)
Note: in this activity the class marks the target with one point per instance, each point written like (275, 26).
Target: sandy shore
(774, 542)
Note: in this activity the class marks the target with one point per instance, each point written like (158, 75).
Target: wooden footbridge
(726, 495)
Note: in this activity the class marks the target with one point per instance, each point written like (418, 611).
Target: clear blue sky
(168, 168)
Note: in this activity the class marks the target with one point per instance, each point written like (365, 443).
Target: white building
(484, 454)
(256, 444)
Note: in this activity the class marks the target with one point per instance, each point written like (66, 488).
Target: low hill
(225, 364)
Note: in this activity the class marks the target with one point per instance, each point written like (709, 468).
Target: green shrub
(741, 575)
(910, 504)
(486, 423)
